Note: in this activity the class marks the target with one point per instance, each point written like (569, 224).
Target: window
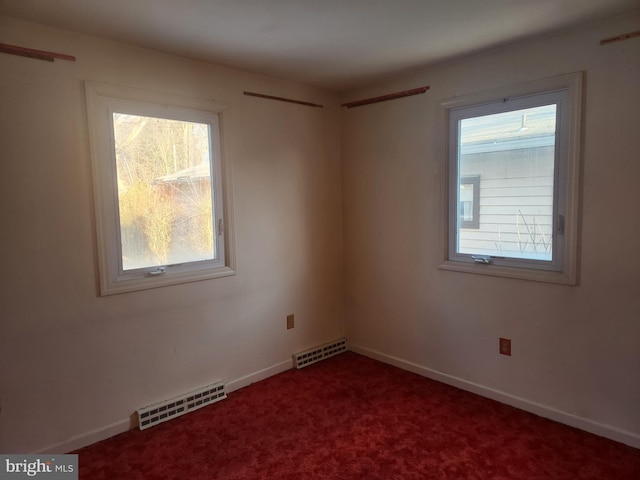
(513, 170)
(159, 180)
(469, 202)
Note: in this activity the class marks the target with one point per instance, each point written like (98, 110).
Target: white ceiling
(336, 44)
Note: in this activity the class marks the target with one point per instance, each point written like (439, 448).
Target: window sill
(547, 276)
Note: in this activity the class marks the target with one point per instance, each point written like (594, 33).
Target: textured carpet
(351, 417)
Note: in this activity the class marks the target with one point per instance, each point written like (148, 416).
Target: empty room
(320, 239)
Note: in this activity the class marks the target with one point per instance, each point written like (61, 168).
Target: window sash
(506, 105)
(185, 115)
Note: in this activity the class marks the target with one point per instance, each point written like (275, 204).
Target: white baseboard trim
(603, 430)
(254, 377)
(94, 436)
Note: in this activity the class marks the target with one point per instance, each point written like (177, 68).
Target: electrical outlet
(290, 322)
(505, 346)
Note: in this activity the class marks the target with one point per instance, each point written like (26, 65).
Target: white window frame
(102, 100)
(567, 91)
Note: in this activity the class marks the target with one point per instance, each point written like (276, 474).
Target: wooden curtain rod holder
(384, 98)
(282, 99)
(620, 38)
(33, 53)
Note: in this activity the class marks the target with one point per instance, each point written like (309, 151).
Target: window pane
(164, 191)
(513, 153)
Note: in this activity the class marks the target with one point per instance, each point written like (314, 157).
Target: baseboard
(93, 436)
(603, 430)
(88, 438)
(259, 375)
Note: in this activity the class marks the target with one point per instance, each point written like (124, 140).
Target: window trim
(101, 99)
(566, 269)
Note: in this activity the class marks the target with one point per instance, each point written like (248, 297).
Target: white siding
(516, 203)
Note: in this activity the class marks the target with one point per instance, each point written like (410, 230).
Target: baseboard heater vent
(319, 353)
(174, 407)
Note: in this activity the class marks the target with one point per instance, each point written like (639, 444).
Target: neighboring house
(189, 192)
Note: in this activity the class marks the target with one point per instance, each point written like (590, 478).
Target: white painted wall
(74, 366)
(576, 349)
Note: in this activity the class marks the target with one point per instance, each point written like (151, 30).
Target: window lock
(483, 259)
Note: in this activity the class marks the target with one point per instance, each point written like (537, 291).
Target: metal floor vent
(168, 409)
(317, 354)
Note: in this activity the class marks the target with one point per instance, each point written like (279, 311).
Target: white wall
(576, 349)
(74, 366)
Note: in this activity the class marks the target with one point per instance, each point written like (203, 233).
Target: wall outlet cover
(505, 346)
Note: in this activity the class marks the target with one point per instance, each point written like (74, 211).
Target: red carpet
(351, 417)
